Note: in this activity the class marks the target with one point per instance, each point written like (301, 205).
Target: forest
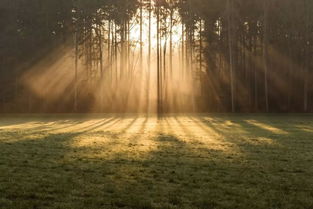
(156, 56)
(156, 104)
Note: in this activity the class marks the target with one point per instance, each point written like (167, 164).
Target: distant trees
(247, 56)
(29, 30)
(269, 39)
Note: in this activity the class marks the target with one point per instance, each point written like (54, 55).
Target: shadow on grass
(49, 172)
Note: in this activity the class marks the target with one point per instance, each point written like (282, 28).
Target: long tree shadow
(272, 146)
(38, 168)
(187, 176)
(50, 172)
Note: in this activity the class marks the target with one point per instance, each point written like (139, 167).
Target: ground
(139, 162)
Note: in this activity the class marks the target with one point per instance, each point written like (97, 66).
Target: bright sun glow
(135, 31)
(128, 81)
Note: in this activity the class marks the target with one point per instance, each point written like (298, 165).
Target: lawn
(139, 162)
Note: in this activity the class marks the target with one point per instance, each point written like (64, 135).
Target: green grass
(180, 161)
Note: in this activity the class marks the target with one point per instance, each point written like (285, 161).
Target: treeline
(258, 54)
(30, 29)
(247, 56)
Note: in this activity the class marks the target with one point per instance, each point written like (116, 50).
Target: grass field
(179, 161)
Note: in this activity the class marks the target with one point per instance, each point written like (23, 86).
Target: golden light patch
(266, 127)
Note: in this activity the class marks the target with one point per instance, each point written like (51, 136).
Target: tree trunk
(230, 45)
(76, 72)
(149, 59)
(265, 53)
(306, 57)
(158, 63)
